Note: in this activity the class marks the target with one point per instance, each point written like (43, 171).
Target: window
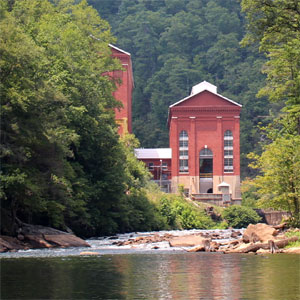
(151, 166)
(228, 151)
(183, 144)
(183, 151)
(206, 153)
(228, 143)
(164, 177)
(165, 166)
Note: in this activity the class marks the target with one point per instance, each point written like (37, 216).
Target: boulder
(204, 246)
(65, 240)
(187, 241)
(8, 243)
(37, 241)
(259, 233)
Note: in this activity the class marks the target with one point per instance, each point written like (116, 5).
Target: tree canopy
(276, 26)
(62, 162)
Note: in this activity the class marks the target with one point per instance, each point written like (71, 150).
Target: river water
(145, 273)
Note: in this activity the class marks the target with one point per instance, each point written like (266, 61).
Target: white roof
(204, 86)
(159, 153)
(112, 46)
(223, 184)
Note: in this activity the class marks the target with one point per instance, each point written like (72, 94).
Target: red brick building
(204, 133)
(204, 139)
(124, 90)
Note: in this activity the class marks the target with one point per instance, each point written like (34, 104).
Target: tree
(275, 25)
(60, 150)
(279, 184)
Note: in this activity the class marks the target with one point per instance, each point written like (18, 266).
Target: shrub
(240, 216)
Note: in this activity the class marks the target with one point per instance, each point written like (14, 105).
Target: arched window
(183, 151)
(206, 153)
(228, 151)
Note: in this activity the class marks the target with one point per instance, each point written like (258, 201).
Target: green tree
(62, 162)
(275, 25)
(240, 216)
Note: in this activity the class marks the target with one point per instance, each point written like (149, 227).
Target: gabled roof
(201, 87)
(118, 49)
(154, 153)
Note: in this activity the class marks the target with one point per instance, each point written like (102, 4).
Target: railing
(207, 196)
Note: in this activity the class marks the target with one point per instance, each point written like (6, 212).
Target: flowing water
(145, 273)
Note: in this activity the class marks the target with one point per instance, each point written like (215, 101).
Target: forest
(62, 161)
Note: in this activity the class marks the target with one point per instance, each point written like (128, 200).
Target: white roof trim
(153, 153)
(205, 89)
(112, 46)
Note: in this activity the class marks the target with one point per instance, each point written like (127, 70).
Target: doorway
(206, 171)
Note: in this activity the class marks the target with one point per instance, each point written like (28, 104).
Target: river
(145, 273)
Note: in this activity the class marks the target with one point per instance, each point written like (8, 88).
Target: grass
(291, 234)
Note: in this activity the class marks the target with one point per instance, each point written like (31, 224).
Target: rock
(234, 234)
(262, 251)
(8, 243)
(89, 253)
(187, 241)
(204, 246)
(259, 232)
(66, 240)
(292, 250)
(37, 241)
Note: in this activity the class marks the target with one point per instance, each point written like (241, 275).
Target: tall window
(183, 151)
(228, 152)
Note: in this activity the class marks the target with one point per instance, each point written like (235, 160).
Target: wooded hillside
(176, 44)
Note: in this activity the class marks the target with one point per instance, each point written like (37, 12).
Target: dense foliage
(177, 44)
(275, 24)
(178, 213)
(62, 162)
(240, 216)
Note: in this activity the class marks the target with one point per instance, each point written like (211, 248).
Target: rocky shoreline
(36, 236)
(259, 238)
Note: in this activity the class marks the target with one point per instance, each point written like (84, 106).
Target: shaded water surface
(152, 275)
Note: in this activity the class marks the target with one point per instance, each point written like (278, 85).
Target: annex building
(204, 141)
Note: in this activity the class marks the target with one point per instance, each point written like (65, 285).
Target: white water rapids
(108, 245)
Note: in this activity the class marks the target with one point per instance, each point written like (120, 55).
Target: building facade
(204, 135)
(158, 162)
(124, 89)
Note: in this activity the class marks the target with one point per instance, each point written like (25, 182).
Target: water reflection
(153, 276)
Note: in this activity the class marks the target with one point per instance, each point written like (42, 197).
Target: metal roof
(156, 153)
(118, 49)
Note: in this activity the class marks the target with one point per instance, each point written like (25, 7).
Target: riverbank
(36, 237)
(259, 238)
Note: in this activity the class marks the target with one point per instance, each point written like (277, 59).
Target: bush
(240, 216)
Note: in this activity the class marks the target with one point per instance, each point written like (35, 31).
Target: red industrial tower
(124, 89)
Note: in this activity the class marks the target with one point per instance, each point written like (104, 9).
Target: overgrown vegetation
(291, 234)
(240, 216)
